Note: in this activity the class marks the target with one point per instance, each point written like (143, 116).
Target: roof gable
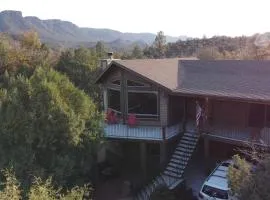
(161, 72)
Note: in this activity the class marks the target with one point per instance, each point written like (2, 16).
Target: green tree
(31, 40)
(137, 52)
(100, 49)
(238, 174)
(24, 55)
(11, 186)
(81, 66)
(209, 54)
(160, 45)
(247, 185)
(48, 127)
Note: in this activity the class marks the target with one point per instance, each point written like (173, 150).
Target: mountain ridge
(59, 31)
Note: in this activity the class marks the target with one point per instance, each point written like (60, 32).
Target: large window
(114, 100)
(143, 104)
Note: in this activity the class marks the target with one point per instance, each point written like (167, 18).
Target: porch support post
(143, 156)
(163, 153)
(206, 147)
(185, 114)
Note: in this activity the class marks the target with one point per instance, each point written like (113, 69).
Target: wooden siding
(227, 113)
(115, 74)
(163, 105)
(175, 109)
(191, 109)
(121, 131)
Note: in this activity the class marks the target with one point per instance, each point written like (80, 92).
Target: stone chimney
(110, 55)
(105, 62)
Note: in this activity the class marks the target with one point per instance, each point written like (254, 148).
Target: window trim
(112, 82)
(115, 89)
(151, 116)
(143, 85)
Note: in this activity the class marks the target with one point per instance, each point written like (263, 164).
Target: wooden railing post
(163, 133)
(185, 115)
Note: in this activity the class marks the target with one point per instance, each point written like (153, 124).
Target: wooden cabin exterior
(173, 101)
(162, 94)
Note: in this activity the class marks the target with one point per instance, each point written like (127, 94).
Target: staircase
(173, 173)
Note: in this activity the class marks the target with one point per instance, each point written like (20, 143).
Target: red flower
(132, 120)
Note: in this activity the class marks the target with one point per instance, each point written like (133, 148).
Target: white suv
(216, 185)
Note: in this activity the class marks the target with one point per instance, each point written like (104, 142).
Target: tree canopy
(250, 184)
(47, 124)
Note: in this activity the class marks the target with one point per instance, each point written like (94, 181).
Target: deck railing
(236, 134)
(241, 134)
(141, 132)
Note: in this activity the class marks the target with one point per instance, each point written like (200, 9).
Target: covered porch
(231, 122)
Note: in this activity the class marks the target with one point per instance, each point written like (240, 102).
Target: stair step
(186, 146)
(176, 170)
(170, 180)
(191, 135)
(189, 139)
(173, 175)
(188, 142)
(178, 161)
(175, 184)
(184, 150)
(177, 166)
(183, 154)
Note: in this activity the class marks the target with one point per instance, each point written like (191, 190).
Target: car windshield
(214, 192)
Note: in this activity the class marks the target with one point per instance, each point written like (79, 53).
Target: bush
(39, 190)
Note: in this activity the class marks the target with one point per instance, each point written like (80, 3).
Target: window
(116, 82)
(143, 104)
(134, 84)
(114, 100)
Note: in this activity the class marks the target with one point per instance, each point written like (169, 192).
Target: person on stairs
(200, 114)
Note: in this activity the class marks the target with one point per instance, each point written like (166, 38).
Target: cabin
(163, 101)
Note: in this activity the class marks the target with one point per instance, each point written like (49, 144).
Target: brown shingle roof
(237, 79)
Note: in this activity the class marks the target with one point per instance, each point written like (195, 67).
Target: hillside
(69, 34)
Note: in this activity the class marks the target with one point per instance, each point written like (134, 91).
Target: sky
(193, 18)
